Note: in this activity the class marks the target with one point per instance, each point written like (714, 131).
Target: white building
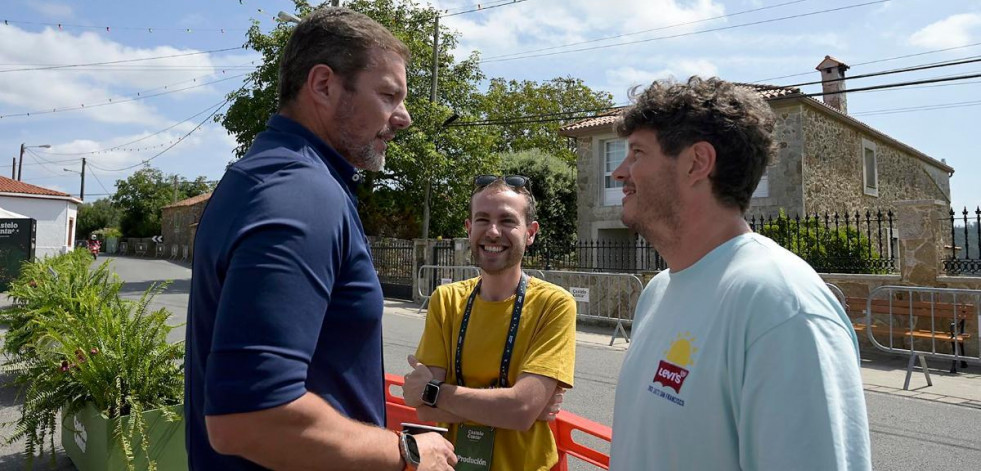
(54, 211)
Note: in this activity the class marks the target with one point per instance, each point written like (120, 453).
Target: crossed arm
(532, 397)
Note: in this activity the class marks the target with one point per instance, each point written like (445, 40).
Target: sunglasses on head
(513, 181)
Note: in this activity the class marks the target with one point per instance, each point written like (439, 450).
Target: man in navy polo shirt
(284, 336)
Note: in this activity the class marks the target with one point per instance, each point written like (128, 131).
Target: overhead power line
(482, 7)
(122, 61)
(116, 102)
(914, 68)
(876, 61)
(570, 115)
(910, 109)
(676, 25)
(522, 55)
(179, 140)
(110, 28)
(124, 145)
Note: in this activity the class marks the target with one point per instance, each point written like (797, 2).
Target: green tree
(553, 183)
(141, 197)
(391, 201)
(96, 215)
(567, 98)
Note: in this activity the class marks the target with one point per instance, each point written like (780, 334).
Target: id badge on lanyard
(474, 444)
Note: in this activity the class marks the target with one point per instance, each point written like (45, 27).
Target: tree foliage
(392, 201)
(141, 197)
(512, 100)
(96, 215)
(553, 183)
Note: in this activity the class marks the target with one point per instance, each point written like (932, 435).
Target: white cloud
(622, 79)
(953, 31)
(54, 10)
(69, 87)
(547, 23)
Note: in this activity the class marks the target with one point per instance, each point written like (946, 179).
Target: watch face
(430, 394)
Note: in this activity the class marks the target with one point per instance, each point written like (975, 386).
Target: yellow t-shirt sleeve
(432, 350)
(552, 352)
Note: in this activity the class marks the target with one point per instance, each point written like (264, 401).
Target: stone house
(179, 222)
(827, 161)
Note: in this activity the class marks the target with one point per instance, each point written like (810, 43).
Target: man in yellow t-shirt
(497, 387)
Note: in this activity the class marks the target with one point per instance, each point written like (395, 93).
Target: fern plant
(91, 346)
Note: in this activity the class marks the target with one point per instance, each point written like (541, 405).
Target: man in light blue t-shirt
(742, 358)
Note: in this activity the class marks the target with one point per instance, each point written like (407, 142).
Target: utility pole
(174, 200)
(13, 169)
(81, 193)
(20, 163)
(432, 99)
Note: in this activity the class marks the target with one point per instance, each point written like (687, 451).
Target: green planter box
(88, 441)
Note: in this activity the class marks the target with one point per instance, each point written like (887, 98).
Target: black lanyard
(519, 303)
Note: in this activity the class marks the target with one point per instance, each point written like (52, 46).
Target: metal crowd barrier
(141, 248)
(122, 248)
(184, 256)
(604, 296)
(562, 429)
(173, 251)
(431, 276)
(924, 318)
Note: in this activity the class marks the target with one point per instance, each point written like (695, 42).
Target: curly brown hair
(734, 119)
(341, 38)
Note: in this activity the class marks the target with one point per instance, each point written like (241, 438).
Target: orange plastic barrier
(563, 426)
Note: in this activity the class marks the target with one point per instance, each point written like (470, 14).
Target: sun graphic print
(672, 371)
(681, 351)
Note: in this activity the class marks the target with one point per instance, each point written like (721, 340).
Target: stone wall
(832, 167)
(784, 174)
(592, 213)
(176, 225)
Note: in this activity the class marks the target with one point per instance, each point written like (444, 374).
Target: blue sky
(670, 38)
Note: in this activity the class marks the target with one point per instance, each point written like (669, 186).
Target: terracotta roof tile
(767, 92)
(9, 185)
(190, 201)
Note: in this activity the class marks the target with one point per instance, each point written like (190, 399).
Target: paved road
(907, 433)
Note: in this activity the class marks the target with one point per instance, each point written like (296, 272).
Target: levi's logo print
(673, 369)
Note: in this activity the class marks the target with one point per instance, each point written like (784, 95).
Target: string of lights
(125, 146)
(116, 102)
(122, 61)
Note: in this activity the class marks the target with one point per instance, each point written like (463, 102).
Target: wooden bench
(948, 320)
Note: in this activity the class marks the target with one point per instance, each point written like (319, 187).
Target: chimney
(833, 83)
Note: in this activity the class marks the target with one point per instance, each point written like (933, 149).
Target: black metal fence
(836, 242)
(393, 260)
(619, 256)
(964, 257)
(831, 243)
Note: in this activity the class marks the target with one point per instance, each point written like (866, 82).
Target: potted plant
(103, 366)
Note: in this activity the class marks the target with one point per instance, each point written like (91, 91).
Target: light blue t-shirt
(744, 360)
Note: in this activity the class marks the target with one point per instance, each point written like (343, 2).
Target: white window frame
(868, 145)
(763, 189)
(611, 196)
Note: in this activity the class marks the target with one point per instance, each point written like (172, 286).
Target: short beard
(367, 158)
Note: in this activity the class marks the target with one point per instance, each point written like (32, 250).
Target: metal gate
(393, 262)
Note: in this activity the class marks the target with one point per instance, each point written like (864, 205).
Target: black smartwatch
(431, 393)
(409, 450)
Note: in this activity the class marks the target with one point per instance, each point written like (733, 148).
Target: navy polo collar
(344, 169)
